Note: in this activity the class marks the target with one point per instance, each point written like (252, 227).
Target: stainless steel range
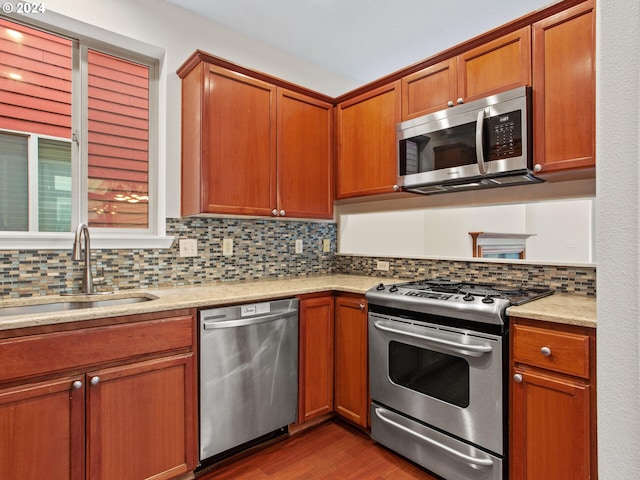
(438, 365)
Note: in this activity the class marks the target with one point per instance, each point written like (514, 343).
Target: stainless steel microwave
(482, 144)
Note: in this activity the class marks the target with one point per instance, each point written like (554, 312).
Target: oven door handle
(462, 348)
(468, 459)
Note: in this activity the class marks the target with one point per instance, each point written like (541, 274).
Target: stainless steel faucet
(87, 278)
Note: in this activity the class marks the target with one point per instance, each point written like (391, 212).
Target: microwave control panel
(505, 135)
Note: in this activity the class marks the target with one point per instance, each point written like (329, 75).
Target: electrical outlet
(382, 265)
(188, 247)
(571, 244)
(299, 246)
(227, 247)
(326, 245)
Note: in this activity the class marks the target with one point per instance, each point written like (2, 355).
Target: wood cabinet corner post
(352, 361)
(316, 353)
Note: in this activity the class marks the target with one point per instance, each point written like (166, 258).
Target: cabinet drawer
(561, 352)
(76, 349)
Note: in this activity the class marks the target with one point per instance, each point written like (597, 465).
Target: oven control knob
(468, 298)
(393, 289)
(380, 286)
(487, 299)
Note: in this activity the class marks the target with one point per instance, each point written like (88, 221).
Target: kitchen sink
(72, 304)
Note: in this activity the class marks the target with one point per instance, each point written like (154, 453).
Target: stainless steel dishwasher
(248, 373)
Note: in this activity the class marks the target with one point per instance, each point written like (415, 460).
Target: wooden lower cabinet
(552, 416)
(136, 419)
(132, 414)
(42, 430)
(315, 357)
(351, 391)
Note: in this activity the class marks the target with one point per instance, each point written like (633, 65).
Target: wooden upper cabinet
(492, 67)
(252, 147)
(430, 89)
(304, 152)
(366, 131)
(228, 144)
(495, 66)
(564, 91)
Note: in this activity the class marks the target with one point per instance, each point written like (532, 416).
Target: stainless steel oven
(437, 361)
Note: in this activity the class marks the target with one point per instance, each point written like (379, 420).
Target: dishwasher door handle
(242, 322)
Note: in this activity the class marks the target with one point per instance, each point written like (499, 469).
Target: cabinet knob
(274, 212)
(76, 385)
(517, 378)
(537, 167)
(460, 101)
(282, 213)
(546, 351)
(361, 306)
(396, 188)
(95, 380)
(450, 103)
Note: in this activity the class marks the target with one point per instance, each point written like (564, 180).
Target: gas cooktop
(478, 302)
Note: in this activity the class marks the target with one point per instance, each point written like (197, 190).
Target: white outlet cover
(299, 246)
(188, 247)
(227, 247)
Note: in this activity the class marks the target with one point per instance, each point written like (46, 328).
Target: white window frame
(86, 37)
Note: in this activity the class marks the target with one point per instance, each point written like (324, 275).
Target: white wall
(617, 237)
(564, 231)
(561, 230)
(397, 233)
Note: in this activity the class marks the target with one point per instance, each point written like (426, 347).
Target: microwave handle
(479, 145)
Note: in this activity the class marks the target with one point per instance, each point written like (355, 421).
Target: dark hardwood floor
(330, 451)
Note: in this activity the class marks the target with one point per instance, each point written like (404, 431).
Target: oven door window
(431, 373)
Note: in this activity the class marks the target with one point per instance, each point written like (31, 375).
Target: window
(499, 245)
(76, 136)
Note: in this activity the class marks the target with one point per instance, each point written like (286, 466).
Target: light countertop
(214, 294)
(561, 308)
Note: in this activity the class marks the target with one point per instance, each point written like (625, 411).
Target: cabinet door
(304, 156)
(239, 144)
(564, 90)
(141, 420)
(430, 89)
(42, 430)
(550, 427)
(316, 358)
(495, 66)
(351, 395)
(367, 149)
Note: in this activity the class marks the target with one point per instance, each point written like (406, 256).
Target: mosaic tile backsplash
(576, 280)
(262, 249)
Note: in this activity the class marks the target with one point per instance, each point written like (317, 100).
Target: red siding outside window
(36, 101)
(118, 142)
